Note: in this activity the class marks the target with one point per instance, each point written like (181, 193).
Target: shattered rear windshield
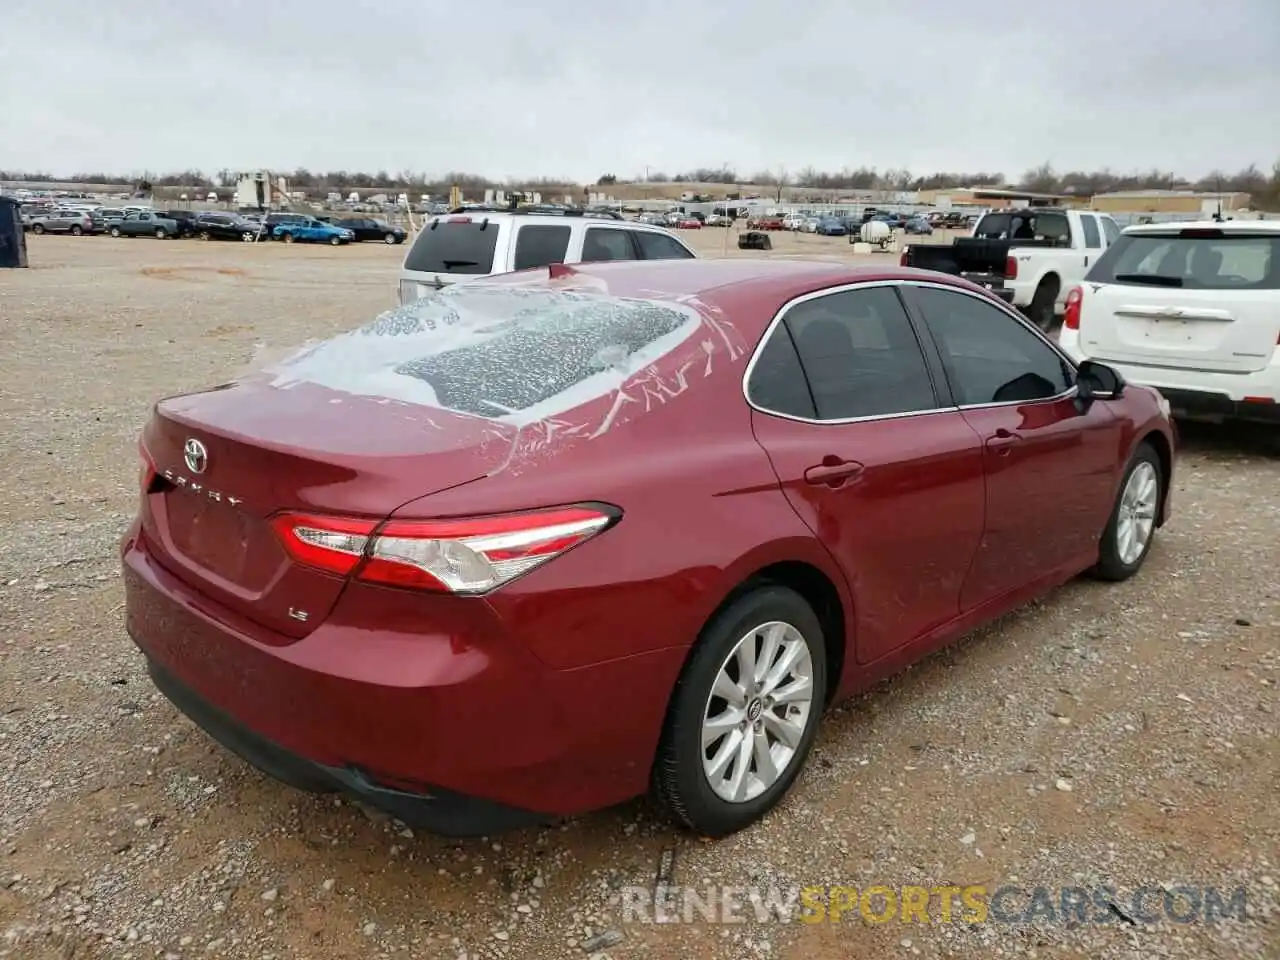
(511, 353)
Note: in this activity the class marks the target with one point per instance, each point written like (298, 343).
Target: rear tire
(1043, 303)
(247, 237)
(287, 237)
(390, 238)
(1131, 530)
(160, 233)
(76, 231)
(115, 232)
(701, 772)
(38, 228)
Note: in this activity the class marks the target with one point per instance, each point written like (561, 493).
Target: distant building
(997, 198)
(1169, 201)
(257, 189)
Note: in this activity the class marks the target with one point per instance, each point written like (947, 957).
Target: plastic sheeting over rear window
(510, 353)
(448, 246)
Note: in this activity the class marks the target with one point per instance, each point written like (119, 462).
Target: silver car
(74, 222)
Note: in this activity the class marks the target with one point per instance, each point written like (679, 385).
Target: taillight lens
(902, 260)
(146, 469)
(1011, 268)
(467, 556)
(1071, 315)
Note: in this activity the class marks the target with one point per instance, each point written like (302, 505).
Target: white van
(1190, 308)
(477, 243)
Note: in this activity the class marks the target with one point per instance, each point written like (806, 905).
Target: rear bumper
(1197, 394)
(439, 811)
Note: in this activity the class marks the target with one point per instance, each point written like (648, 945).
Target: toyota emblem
(195, 455)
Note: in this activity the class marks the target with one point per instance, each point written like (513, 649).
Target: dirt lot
(1122, 735)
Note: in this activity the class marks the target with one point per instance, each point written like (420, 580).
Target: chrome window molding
(791, 304)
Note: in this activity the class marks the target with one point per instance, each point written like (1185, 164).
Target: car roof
(715, 282)
(1226, 226)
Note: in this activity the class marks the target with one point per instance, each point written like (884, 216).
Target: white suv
(1192, 309)
(475, 243)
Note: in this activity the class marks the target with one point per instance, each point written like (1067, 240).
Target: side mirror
(1097, 381)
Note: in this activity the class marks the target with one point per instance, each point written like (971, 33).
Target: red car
(538, 543)
(689, 223)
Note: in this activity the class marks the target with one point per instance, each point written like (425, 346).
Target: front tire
(335, 241)
(1131, 530)
(115, 232)
(287, 237)
(160, 233)
(38, 229)
(389, 239)
(744, 713)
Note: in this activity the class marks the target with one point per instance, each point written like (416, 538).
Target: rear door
(604, 244)
(873, 456)
(660, 246)
(539, 245)
(1194, 299)
(1050, 467)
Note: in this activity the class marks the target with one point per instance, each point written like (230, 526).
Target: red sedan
(536, 544)
(689, 223)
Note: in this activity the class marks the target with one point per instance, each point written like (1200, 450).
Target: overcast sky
(578, 89)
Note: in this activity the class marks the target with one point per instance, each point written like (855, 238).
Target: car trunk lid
(228, 459)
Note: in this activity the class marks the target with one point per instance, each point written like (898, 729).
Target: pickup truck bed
(974, 258)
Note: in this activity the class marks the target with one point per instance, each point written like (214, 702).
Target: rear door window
(603, 244)
(454, 246)
(1023, 225)
(860, 355)
(1092, 235)
(1110, 230)
(777, 383)
(538, 245)
(658, 246)
(1194, 260)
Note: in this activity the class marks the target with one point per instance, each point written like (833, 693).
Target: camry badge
(195, 455)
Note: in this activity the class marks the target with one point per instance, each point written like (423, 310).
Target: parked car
(461, 247)
(793, 221)
(74, 222)
(1031, 257)
(688, 222)
(226, 226)
(378, 230)
(718, 220)
(387, 536)
(311, 230)
(919, 225)
(144, 224)
(185, 219)
(830, 227)
(765, 223)
(272, 220)
(1192, 309)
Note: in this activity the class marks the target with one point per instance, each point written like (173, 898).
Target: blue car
(830, 227)
(313, 231)
(919, 225)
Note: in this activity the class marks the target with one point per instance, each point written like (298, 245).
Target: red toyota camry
(538, 543)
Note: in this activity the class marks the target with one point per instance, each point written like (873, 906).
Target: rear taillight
(466, 556)
(1071, 315)
(902, 260)
(146, 470)
(1011, 268)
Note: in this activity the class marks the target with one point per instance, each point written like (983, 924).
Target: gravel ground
(1122, 735)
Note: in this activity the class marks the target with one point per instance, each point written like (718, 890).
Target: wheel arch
(1164, 452)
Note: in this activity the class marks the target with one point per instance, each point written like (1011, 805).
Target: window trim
(1072, 389)
(928, 350)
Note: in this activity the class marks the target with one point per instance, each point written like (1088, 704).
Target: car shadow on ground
(1229, 439)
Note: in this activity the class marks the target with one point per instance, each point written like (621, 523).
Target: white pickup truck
(1030, 257)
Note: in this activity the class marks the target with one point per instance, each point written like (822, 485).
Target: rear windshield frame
(1119, 260)
(425, 256)
(1007, 217)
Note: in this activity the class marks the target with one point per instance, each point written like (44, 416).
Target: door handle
(1002, 440)
(833, 471)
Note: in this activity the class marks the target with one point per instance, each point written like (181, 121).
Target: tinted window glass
(860, 355)
(1196, 263)
(777, 380)
(537, 246)
(461, 247)
(658, 246)
(1110, 229)
(1092, 237)
(602, 244)
(990, 357)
